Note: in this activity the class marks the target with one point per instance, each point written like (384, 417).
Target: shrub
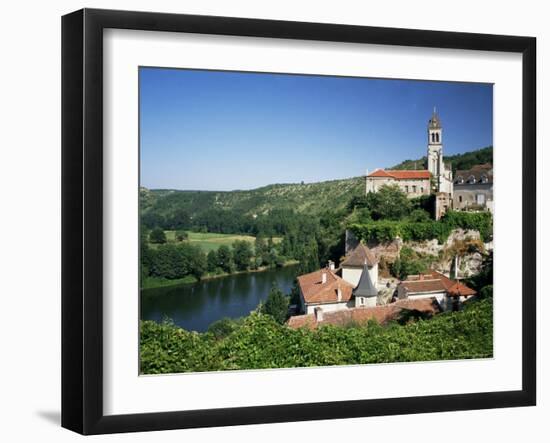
(486, 292)
(259, 342)
(158, 236)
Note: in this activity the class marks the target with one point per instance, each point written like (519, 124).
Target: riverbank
(155, 283)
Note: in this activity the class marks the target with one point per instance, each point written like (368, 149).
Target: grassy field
(211, 241)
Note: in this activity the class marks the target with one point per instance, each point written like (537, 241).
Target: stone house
(412, 183)
(324, 291)
(352, 285)
(473, 188)
(450, 294)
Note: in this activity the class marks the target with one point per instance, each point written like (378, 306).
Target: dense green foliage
(258, 342)
(276, 305)
(410, 262)
(458, 161)
(157, 235)
(485, 276)
(390, 203)
(387, 230)
(173, 261)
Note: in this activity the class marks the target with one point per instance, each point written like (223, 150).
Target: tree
(276, 305)
(212, 261)
(410, 262)
(419, 215)
(225, 259)
(181, 235)
(158, 236)
(242, 254)
(389, 203)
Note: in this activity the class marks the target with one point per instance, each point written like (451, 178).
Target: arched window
(471, 179)
(433, 137)
(459, 180)
(484, 179)
(437, 137)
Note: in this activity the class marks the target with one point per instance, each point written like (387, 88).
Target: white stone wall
(411, 187)
(441, 297)
(352, 275)
(329, 307)
(365, 302)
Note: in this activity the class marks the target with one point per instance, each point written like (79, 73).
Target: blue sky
(213, 130)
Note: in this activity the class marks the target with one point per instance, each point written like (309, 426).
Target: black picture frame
(82, 215)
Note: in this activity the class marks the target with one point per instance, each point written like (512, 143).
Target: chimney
(324, 278)
(318, 314)
(339, 294)
(330, 265)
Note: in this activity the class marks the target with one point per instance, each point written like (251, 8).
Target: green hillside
(310, 198)
(458, 161)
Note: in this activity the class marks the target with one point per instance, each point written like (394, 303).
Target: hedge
(387, 230)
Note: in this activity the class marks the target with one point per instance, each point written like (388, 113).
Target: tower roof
(365, 288)
(435, 122)
(359, 256)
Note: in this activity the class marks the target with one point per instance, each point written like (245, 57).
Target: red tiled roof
(436, 282)
(401, 174)
(382, 314)
(458, 290)
(358, 256)
(299, 321)
(423, 286)
(315, 291)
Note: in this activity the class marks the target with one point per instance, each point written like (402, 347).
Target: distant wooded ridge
(459, 162)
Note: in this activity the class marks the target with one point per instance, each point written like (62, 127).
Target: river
(195, 306)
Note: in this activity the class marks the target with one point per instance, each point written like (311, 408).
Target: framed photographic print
(269, 221)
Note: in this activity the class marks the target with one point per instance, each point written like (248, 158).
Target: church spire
(434, 122)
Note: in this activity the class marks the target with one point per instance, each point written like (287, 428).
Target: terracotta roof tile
(315, 291)
(401, 174)
(436, 282)
(382, 314)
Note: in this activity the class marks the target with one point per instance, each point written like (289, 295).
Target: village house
(473, 188)
(450, 294)
(327, 291)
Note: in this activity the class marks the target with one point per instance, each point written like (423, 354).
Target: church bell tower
(435, 148)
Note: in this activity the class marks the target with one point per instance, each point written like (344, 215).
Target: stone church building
(437, 178)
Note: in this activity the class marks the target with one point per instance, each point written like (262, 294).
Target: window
(460, 198)
(484, 179)
(414, 189)
(407, 189)
(422, 189)
(471, 179)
